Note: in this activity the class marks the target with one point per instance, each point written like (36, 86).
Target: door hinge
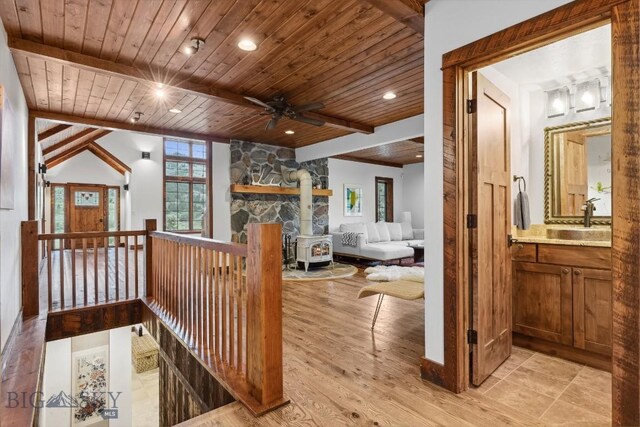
(472, 106)
(472, 336)
(509, 240)
(472, 221)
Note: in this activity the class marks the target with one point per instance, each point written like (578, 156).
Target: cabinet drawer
(575, 256)
(524, 252)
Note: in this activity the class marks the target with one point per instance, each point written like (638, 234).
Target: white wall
(413, 193)
(221, 193)
(346, 172)
(450, 24)
(10, 272)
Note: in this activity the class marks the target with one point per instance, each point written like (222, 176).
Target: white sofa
(374, 243)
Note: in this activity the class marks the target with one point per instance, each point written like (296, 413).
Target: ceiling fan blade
(309, 121)
(272, 123)
(258, 102)
(308, 107)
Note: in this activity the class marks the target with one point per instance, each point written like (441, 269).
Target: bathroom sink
(580, 233)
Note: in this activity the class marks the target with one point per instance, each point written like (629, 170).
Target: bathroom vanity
(562, 292)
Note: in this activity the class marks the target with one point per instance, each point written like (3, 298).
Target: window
(185, 185)
(384, 199)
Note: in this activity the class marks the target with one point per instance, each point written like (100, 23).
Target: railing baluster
(61, 274)
(135, 266)
(238, 286)
(49, 278)
(84, 271)
(116, 268)
(216, 296)
(224, 307)
(73, 273)
(232, 303)
(95, 271)
(105, 243)
(126, 266)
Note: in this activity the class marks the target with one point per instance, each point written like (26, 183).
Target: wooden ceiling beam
(368, 161)
(85, 134)
(409, 13)
(131, 127)
(66, 155)
(106, 156)
(151, 77)
(52, 131)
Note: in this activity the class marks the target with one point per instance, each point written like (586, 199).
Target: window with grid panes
(185, 185)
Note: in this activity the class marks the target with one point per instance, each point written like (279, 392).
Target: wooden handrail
(202, 242)
(91, 234)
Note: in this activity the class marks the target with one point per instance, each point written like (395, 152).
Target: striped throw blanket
(350, 238)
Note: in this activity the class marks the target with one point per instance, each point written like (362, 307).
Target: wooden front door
(490, 201)
(86, 208)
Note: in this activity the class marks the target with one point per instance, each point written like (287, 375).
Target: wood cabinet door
(542, 301)
(490, 199)
(592, 310)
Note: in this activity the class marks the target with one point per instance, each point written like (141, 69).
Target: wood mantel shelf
(285, 191)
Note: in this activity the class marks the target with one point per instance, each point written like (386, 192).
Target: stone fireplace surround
(250, 208)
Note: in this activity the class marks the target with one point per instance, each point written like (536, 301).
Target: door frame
(67, 203)
(564, 21)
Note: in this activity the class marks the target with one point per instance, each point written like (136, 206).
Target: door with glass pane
(384, 199)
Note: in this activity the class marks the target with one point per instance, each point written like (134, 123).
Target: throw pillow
(395, 231)
(354, 227)
(372, 232)
(383, 231)
(407, 231)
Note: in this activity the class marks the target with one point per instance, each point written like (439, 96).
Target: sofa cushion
(414, 242)
(354, 227)
(383, 231)
(385, 252)
(395, 231)
(407, 231)
(372, 232)
(396, 242)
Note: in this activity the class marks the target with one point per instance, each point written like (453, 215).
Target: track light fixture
(194, 47)
(136, 117)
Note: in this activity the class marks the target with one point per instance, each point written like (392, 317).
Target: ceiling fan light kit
(278, 107)
(194, 47)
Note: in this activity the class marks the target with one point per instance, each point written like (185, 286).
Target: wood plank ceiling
(396, 154)
(344, 53)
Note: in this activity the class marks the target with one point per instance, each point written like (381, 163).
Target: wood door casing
(490, 192)
(593, 310)
(572, 168)
(85, 218)
(542, 301)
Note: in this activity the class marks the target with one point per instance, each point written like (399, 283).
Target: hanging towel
(522, 214)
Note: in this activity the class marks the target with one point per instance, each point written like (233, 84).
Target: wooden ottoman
(144, 353)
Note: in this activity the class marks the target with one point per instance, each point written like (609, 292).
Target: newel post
(29, 252)
(264, 312)
(149, 226)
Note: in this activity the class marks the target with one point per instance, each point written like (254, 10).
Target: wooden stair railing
(225, 301)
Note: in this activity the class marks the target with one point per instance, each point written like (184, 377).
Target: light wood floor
(339, 373)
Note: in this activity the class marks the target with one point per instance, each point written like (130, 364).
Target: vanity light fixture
(247, 45)
(558, 102)
(289, 132)
(194, 47)
(389, 95)
(588, 95)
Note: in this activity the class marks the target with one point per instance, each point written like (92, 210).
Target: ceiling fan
(278, 108)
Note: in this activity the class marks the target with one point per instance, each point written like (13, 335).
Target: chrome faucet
(588, 208)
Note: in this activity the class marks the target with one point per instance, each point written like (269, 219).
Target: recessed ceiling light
(248, 45)
(289, 132)
(419, 156)
(175, 111)
(389, 95)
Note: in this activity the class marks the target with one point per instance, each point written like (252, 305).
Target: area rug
(339, 271)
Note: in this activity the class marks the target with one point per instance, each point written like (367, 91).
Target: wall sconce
(588, 95)
(47, 184)
(146, 155)
(126, 187)
(42, 168)
(558, 102)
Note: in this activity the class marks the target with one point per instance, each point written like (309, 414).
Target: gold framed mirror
(577, 168)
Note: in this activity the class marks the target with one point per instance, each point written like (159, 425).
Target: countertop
(538, 234)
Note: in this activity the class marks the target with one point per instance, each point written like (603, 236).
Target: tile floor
(146, 397)
(553, 390)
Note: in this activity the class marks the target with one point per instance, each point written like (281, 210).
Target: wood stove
(314, 251)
